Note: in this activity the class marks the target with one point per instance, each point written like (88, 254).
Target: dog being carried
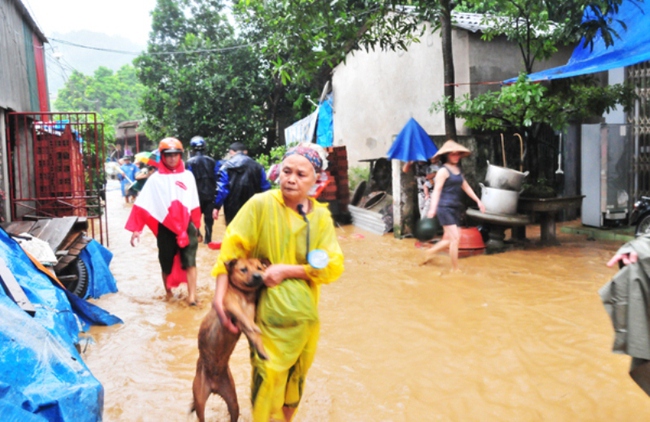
(216, 344)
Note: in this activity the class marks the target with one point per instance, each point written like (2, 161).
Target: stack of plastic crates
(59, 174)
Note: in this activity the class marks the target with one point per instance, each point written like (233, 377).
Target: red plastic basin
(471, 242)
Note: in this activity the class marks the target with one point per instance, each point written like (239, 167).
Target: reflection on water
(519, 336)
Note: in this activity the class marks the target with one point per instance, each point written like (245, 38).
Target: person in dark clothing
(203, 169)
(626, 300)
(446, 199)
(238, 179)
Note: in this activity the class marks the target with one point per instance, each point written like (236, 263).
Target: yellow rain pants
(287, 314)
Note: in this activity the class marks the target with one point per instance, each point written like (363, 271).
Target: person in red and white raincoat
(169, 205)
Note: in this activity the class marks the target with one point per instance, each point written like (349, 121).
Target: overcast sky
(128, 18)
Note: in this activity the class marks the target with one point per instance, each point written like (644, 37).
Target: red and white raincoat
(169, 197)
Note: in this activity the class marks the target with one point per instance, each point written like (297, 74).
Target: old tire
(75, 277)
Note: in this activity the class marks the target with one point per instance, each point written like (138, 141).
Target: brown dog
(245, 277)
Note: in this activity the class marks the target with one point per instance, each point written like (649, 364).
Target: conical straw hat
(451, 146)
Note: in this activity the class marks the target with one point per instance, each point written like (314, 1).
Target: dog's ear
(265, 262)
(231, 264)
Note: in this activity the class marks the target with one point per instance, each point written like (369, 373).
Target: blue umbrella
(412, 144)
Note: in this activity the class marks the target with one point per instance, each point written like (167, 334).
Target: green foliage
(305, 39)
(357, 175)
(539, 27)
(541, 188)
(273, 157)
(202, 79)
(524, 103)
(114, 96)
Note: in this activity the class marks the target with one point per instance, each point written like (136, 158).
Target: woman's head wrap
(312, 152)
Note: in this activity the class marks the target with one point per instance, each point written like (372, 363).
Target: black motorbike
(641, 216)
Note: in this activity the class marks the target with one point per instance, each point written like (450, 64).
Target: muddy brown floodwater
(517, 336)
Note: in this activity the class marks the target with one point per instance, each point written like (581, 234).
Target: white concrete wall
(376, 93)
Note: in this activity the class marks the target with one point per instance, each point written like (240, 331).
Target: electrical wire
(197, 51)
(161, 53)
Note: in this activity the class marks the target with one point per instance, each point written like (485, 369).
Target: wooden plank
(81, 223)
(13, 289)
(56, 231)
(39, 225)
(18, 227)
(73, 251)
(70, 239)
(63, 262)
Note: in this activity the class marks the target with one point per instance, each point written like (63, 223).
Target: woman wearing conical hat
(446, 199)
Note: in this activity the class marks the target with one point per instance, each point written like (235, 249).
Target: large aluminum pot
(504, 178)
(499, 201)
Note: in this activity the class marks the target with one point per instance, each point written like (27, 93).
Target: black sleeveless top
(451, 190)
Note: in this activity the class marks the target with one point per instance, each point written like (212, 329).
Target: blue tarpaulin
(631, 48)
(412, 144)
(325, 127)
(41, 372)
(100, 279)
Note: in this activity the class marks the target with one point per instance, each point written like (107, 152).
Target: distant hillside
(85, 60)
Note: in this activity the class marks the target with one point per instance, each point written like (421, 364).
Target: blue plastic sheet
(100, 279)
(412, 144)
(631, 48)
(41, 372)
(325, 126)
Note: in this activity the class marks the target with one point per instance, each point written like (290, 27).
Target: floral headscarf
(312, 152)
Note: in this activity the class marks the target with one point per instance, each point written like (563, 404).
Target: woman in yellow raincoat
(286, 226)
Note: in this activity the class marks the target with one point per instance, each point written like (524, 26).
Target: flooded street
(518, 336)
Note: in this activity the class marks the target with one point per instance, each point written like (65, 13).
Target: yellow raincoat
(287, 314)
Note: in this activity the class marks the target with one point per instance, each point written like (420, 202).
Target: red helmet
(170, 146)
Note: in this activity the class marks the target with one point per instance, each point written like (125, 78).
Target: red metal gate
(56, 168)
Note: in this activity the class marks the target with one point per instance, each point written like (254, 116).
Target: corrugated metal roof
(469, 21)
(474, 22)
(367, 220)
(29, 20)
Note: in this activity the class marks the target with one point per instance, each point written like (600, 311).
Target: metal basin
(499, 201)
(504, 178)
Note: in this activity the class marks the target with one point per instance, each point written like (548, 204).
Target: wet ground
(517, 336)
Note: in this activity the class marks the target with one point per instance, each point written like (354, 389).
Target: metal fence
(56, 168)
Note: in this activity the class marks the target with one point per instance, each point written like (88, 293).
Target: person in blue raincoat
(238, 179)
(126, 176)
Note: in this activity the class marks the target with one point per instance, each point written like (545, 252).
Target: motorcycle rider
(203, 168)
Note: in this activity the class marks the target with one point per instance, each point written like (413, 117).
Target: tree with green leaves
(113, 95)
(303, 40)
(201, 78)
(524, 103)
(204, 78)
(306, 39)
(539, 28)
